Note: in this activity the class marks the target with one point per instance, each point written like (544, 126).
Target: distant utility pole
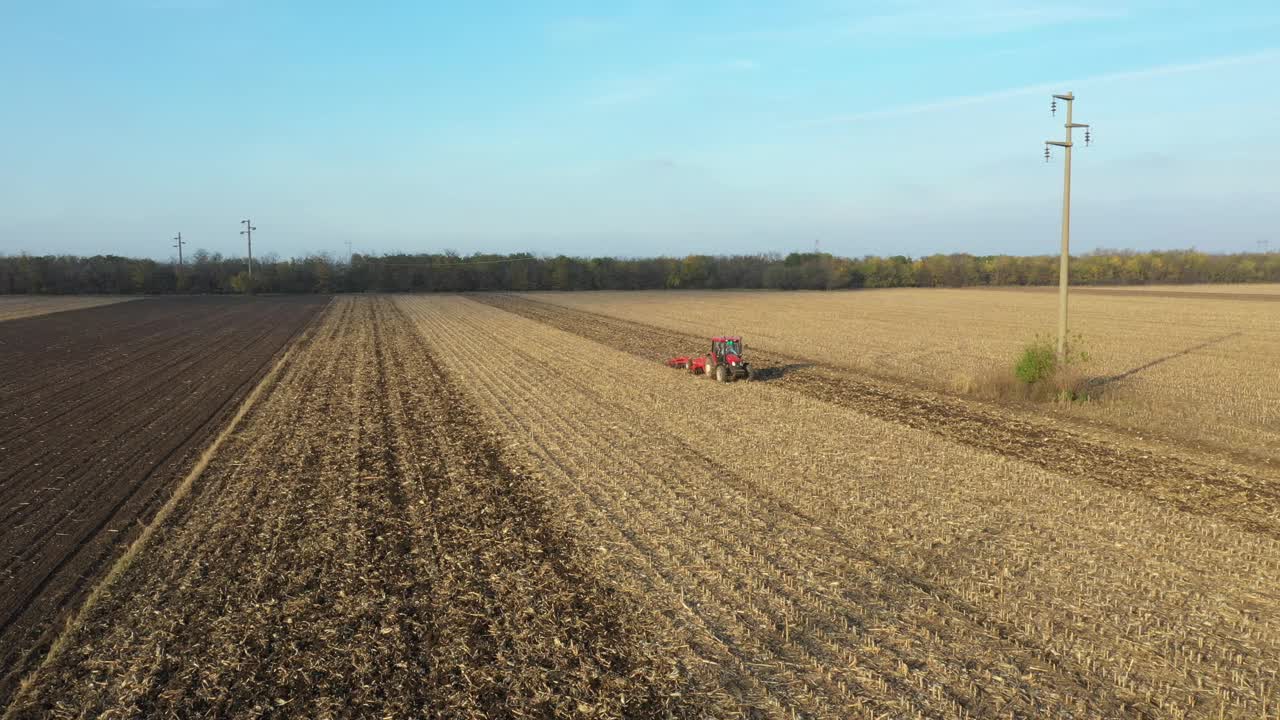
(247, 232)
(178, 245)
(1264, 246)
(1063, 278)
(348, 249)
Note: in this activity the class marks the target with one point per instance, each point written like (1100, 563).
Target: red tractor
(723, 364)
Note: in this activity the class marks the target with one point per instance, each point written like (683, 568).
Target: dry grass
(835, 565)
(1068, 384)
(992, 383)
(1183, 369)
(13, 307)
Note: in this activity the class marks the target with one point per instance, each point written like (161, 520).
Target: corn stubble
(1189, 368)
(1184, 478)
(828, 563)
(360, 549)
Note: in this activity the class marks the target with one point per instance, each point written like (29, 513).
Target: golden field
(1182, 369)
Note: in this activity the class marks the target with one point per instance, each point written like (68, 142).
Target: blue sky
(875, 127)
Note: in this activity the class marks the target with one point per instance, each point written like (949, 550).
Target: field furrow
(835, 564)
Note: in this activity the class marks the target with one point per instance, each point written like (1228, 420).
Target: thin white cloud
(639, 88)
(182, 4)
(979, 19)
(582, 28)
(899, 21)
(627, 95)
(951, 103)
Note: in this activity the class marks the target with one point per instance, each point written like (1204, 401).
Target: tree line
(450, 272)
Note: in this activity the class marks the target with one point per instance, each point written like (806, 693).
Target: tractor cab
(727, 350)
(725, 362)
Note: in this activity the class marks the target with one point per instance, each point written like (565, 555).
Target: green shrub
(1043, 375)
(1038, 362)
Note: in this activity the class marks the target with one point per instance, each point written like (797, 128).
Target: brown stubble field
(1189, 365)
(839, 565)
(1183, 477)
(497, 506)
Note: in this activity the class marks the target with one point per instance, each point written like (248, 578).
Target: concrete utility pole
(178, 245)
(348, 249)
(247, 232)
(1063, 278)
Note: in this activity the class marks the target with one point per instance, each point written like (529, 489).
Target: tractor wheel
(722, 373)
(710, 371)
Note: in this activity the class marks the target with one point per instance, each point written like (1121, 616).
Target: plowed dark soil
(1249, 500)
(102, 410)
